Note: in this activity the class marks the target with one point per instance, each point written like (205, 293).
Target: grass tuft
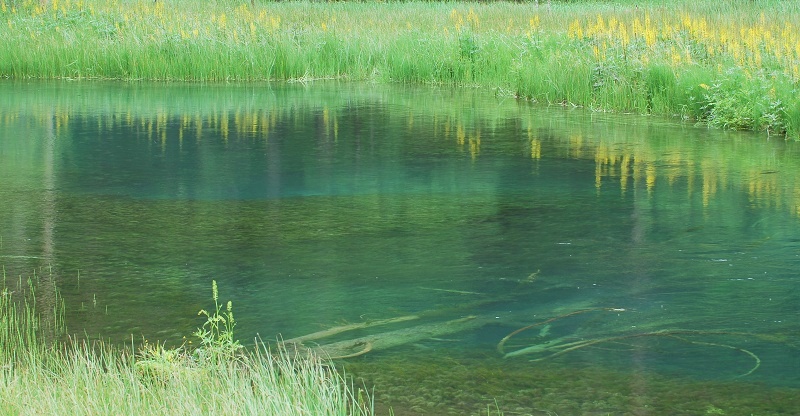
(42, 375)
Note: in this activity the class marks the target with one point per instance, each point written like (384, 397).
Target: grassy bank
(44, 375)
(694, 59)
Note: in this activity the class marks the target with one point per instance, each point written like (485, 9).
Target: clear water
(667, 253)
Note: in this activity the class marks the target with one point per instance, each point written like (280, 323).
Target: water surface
(665, 254)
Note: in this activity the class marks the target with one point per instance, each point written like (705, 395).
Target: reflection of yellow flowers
(475, 145)
(536, 149)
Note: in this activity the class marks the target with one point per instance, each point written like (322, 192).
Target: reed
(44, 375)
(694, 59)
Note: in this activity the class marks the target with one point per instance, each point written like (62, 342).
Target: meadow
(46, 372)
(732, 64)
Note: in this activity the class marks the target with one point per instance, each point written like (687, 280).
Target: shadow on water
(468, 251)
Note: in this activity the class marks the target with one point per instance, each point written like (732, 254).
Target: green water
(667, 252)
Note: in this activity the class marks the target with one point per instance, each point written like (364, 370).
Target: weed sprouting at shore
(217, 343)
(693, 59)
(87, 378)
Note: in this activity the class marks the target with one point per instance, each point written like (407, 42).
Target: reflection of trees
(46, 292)
(176, 116)
(189, 126)
(28, 166)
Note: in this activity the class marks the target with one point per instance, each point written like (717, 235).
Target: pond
(501, 255)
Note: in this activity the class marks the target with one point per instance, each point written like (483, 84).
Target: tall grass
(74, 377)
(23, 334)
(732, 63)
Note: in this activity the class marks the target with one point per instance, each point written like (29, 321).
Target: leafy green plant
(216, 335)
(158, 364)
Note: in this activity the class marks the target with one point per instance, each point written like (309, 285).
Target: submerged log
(362, 345)
(349, 327)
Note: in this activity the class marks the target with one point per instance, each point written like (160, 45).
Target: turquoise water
(654, 262)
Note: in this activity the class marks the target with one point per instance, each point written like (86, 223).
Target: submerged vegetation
(44, 374)
(733, 64)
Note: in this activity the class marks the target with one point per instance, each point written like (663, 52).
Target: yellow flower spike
(574, 31)
(612, 26)
(638, 29)
(535, 21)
(666, 30)
(623, 33)
(686, 21)
(472, 18)
(600, 26)
(222, 21)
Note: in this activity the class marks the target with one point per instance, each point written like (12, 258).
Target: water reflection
(330, 203)
(640, 150)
